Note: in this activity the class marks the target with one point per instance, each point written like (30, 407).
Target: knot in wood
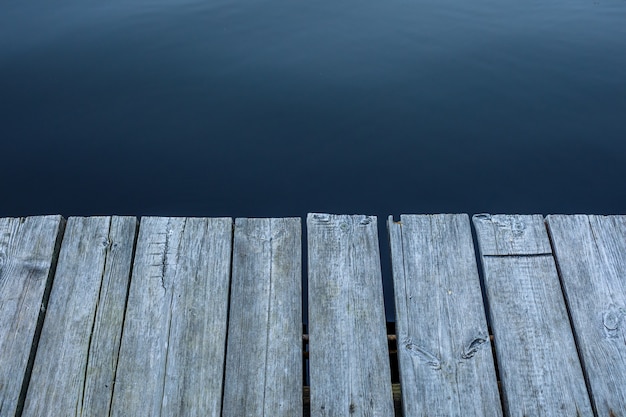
(422, 354)
(472, 347)
(106, 242)
(611, 320)
(366, 220)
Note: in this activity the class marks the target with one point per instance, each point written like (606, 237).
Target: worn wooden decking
(203, 316)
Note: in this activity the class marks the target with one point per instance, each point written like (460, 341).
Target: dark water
(280, 107)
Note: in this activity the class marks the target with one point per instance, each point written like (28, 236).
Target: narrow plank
(537, 358)
(264, 363)
(28, 251)
(591, 254)
(75, 364)
(171, 358)
(445, 358)
(348, 355)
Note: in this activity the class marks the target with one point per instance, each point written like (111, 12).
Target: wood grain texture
(538, 363)
(28, 253)
(77, 356)
(349, 367)
(264, 363)
(445, 358)
(591, 254)
(512, 235)
(171, 360)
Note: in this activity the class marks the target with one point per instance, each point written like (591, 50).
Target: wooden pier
(115, 316)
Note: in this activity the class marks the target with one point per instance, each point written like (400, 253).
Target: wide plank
(264, 360)
(445, 358)
(348, 354)
(503, 235)
(29, 249)
(591, 255)
(537, 359)
(171, 360)
(77, 356)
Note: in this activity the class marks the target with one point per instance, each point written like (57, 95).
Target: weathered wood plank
(264, 363)
(445, 358)
(28, 252)
(591, 254)
(171, 359)
(512, 235)
(348, 355)
(537, 358)
(77, 356)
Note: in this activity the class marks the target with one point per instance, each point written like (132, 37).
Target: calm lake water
(280, 107)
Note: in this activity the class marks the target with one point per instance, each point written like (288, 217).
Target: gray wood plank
(537, 359)
(348, 355)
(591, 254)
(445, 358)
(512, 235)
(264, 354)
(28, 252)
(77, 356)
(171, 360)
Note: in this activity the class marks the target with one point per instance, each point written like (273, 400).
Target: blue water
(280, 107)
